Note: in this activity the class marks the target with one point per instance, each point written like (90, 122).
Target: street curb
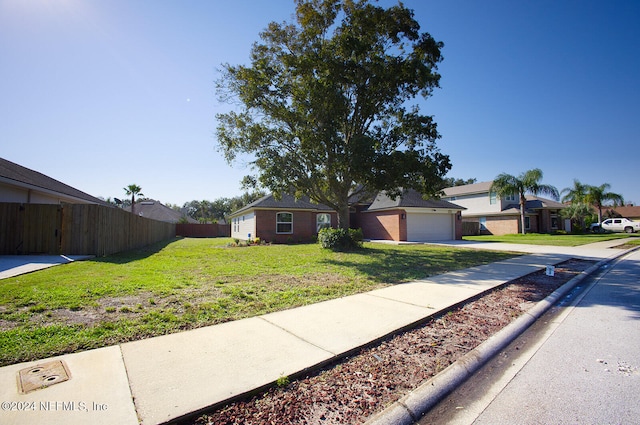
(410, 408)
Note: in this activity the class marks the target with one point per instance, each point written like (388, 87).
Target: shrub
(340, 239)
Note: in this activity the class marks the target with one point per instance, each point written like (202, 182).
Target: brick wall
(502, 225)
(304, 226)
(191, 230)
(458, 225)
(386, 225)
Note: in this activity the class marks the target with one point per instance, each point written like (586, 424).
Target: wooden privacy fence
(192, 230)
(76, 229)
(470, 228)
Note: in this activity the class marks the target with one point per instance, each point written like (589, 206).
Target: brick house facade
(407, 218)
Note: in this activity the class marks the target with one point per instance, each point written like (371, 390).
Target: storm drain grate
(42, 376)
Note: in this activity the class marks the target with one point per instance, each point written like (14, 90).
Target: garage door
(429, 227)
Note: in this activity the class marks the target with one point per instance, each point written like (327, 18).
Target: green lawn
(544, 239)
(188, 283)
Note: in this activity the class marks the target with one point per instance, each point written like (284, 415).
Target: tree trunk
(523, 202)
(343, 217)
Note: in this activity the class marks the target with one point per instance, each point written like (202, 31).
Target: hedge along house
(407, 218)
(281, 221)
(411, 218)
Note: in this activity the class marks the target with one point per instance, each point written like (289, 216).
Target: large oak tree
(328, 104)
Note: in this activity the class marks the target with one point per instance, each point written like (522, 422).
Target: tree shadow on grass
(389, 265)
(125, 257)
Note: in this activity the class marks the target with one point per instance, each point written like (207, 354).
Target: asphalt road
(578, 364)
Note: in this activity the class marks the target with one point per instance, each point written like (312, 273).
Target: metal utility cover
(42, 376)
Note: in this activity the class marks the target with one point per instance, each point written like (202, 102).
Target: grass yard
(555, 240)
(188, 283)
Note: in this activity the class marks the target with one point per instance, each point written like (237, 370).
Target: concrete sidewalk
(15, 265)
(156, 380)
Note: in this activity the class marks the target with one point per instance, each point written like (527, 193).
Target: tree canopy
(452, 182)
(527, 182)
(327, 105)
(219, 209)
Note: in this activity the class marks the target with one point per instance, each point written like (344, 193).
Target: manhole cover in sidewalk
(42, 376)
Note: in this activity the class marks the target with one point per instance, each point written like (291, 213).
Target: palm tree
(133, 190)
(575, 194)
(527, 182)
(577, 212)
(596, 195)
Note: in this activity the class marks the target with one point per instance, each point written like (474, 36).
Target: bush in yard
(340, 239)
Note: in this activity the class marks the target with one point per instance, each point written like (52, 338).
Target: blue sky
(101, 94)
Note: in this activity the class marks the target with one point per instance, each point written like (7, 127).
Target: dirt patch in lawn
(352, 390)
(223, 299)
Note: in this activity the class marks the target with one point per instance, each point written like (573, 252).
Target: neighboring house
(407, 218)
(155, 210)
(500, 216)
(281, 221)
(19, 184)
(628, 211)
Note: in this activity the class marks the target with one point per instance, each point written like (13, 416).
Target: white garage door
(429, 227)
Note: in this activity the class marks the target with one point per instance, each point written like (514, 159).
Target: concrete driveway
(14, 265)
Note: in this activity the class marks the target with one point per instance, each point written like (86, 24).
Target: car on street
(616, 225)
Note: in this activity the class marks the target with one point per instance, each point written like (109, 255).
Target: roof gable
(288, 202)
(25, 177)
(409, 199)
(467, 189)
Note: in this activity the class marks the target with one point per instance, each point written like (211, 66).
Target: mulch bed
(354, 389)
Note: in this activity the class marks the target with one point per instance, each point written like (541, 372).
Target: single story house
(155, 210)
(281, 220)
(22, 185)
(406, 218)
(500, 216)
(628, 211)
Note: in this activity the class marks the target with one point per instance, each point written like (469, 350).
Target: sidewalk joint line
(297, 336)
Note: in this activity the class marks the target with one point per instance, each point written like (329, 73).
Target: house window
(511, 197)
(284, 222)
(554, 222)
(527, 223)
(323, 221)
(483, 223)
(493, 199)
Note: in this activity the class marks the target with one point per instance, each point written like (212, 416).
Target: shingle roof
(628, 211)
(157, 211)
(410, 199)
(468, 189)
(534, 203)
(23, 176)
(287, 202)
